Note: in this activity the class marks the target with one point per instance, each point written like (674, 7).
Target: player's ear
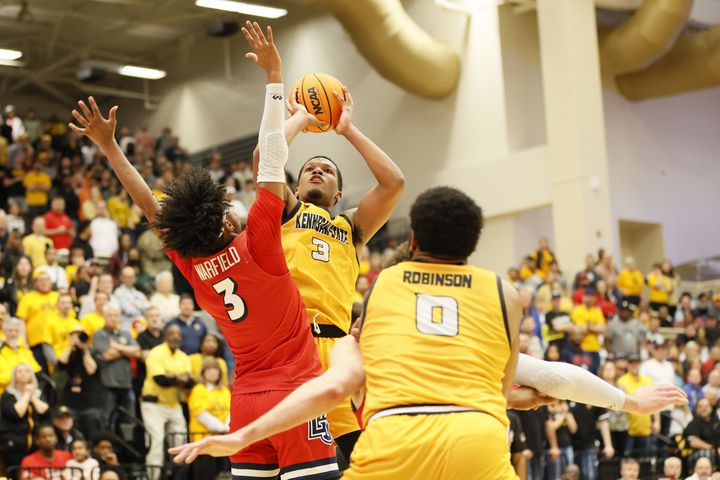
(297, 192)
(413, 245)
(338, 196)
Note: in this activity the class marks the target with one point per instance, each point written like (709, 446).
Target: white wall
(487, 138)
(663, 160)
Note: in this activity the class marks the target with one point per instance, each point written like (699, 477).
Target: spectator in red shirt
(58, 225)
(604, 301)
(47, 463)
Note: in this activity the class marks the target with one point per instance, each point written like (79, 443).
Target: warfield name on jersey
(218, 264)
(322, 225)
(442, 279)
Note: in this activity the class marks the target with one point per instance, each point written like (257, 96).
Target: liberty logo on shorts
(318, 428)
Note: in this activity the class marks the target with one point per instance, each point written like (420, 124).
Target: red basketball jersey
(261, 315)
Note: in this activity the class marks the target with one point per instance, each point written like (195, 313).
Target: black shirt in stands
(533, 424)
(82, 391)
(586, 418)
(87, 249)
(707, 431)
(517, 435)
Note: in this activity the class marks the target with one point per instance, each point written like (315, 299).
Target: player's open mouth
(316, 179)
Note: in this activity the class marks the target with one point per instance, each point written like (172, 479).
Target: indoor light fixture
(6, 54)
(245, 8)
(141, 72)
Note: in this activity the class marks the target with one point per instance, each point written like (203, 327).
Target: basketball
(314, 92)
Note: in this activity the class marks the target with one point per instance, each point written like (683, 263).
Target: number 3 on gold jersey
(322, 252)
(425, 306)
(238, 309)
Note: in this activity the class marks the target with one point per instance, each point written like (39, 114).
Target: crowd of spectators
(632, 329)
(99, 330)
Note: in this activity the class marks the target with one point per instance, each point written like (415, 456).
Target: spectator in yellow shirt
(543, 256)
(14, 351)
(37, 185)
(640, 427)
(94, 321)
(209, 406)
(591, 322)
(60, 325)
(210, 348)
(120, 209)
(660, 288)
(631, 282)
(36, 244)
(34, 308)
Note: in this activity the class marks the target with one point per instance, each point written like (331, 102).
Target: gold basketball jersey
(435, 334)
(321, 256)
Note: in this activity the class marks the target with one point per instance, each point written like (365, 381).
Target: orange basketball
(314, 92)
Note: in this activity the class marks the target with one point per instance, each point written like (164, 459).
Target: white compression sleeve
(565, 381)
(271, 140)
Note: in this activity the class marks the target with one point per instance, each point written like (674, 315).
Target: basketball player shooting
(240, 278)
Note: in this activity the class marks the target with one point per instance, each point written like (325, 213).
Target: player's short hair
(192, 214)
(446, 222)
(337, 169)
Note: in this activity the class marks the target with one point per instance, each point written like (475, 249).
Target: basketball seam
(328, 102)
(305, 102)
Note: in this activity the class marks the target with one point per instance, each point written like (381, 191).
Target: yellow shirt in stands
(638, 425)
(36, 198)
(70, 272)
(588, 316)
(34, 309)
(216, 402)
(34, 246)
(631, 283)
(91, 323)
(659, 295)
(5, 371)
(196, 364)
(23, 354)
(545, 261)
(162, 361)
(59, 330)
(121, 212)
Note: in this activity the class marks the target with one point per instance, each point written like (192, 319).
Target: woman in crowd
(22, 406)
(603, 300)
(120, 259)
(19, 283)
(209, 406)
(211, 347)
(668, 270)
(618, 420)
(165, 299)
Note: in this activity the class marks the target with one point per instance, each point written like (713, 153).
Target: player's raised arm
(102, 132)
(378, 204)
(272, 146)
(311, 400)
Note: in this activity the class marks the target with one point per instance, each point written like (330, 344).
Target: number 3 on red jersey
(236, 305)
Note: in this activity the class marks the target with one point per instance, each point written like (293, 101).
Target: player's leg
(343, 423)
(259, 460)
(306, 452)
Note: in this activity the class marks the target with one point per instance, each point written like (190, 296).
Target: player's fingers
(270, 38)
(75, 129)
(251, 30)
(251, 56)
(255, 29)
(112, 115)
(340, 98)
(85, 110)
(193, 455)
(80, 119)
(95, 109)
(248, 37)
(260, 34)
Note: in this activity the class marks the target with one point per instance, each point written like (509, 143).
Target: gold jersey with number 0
(435, 334)
(321, 256)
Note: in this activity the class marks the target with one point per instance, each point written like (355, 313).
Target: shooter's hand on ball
(345, 122)
(215, 446)
(296, 109)
(526, 398)
(264, 52)
(98, 129)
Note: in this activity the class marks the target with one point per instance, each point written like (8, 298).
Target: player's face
(318, 183)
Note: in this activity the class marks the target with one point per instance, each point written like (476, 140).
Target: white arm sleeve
(211, 422)
(271, 140)
(565, 381)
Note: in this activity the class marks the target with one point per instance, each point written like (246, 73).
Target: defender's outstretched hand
(215, 446)
(94, 126)
(264, 52)
(295, 108)
(345, 121)
(653, 398)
